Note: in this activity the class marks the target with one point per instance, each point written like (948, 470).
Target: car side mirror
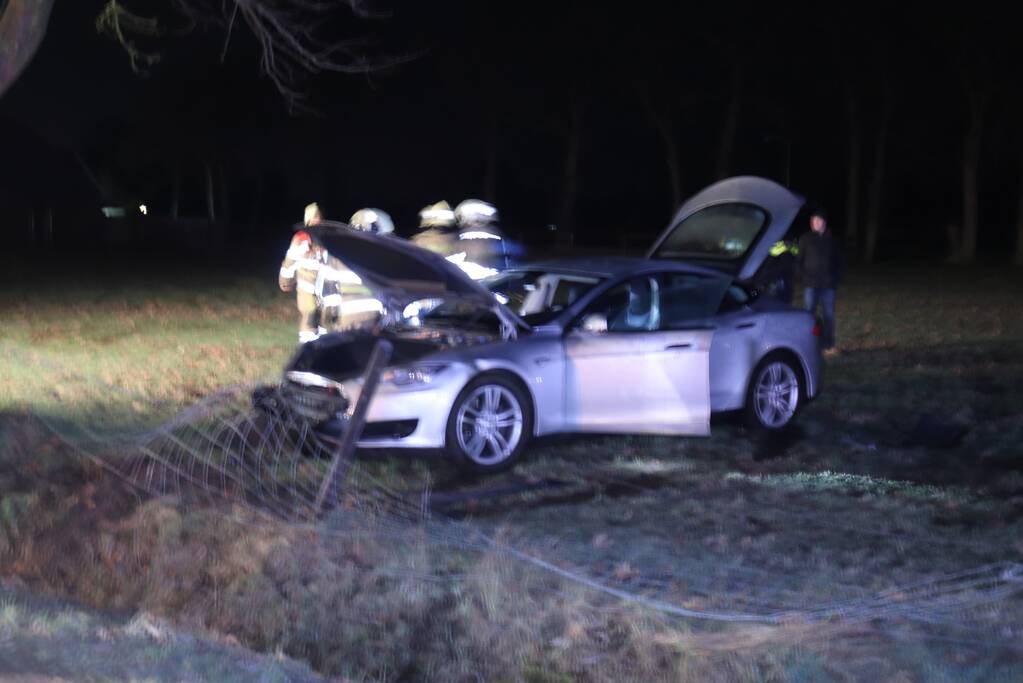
(594, 323)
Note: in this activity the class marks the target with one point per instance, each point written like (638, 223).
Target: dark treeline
(596, 119)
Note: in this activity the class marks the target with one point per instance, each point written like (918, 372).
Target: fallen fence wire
(223, 448)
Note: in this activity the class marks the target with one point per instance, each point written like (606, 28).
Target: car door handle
(678, 347)
(745, 326)
(542, 360)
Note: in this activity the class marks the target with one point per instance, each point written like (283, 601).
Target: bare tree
(730, 122)
(662, 118)
(852, 184)
(291, 36)
(876, 186)
(22, 27)
(966, 247)
(976, 49)
(573, 162)
(1018, 257)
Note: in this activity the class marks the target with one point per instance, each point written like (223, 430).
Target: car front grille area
(316, 404)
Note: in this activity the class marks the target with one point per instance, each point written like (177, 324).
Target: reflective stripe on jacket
(342, 290)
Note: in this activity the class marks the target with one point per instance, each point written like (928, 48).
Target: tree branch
(289, 33)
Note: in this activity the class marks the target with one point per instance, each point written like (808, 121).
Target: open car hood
(399, 272)
(730, 226)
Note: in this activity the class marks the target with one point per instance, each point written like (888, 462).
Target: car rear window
(722, 231)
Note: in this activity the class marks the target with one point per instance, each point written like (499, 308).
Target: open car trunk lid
(730, 226)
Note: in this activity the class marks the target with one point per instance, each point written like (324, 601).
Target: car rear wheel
(489, 425)
(775, 394)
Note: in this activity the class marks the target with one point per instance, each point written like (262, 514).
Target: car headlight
(413, 375)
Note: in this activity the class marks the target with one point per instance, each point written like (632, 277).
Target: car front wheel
(775, 394)
(489, 425)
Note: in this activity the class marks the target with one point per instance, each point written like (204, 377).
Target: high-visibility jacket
(344, 300)
(439, 240)
(485, 249)
(480, 252)
(301, 265)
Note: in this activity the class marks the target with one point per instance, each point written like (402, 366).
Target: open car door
(627, 371)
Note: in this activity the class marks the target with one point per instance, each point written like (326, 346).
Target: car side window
(689, 297)
(632, 306)
(735, 298)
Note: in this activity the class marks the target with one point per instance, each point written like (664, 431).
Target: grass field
(845, 508)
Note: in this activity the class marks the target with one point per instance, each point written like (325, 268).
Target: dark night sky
(421, 131)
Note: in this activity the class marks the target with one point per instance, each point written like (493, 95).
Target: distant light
(113, 211)
(143, 209)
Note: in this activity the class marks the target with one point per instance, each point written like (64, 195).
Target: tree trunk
(1018, 258)
(573, 162)
(175, 202)
(256, 216)
(971, 170)
(875, 190)
(211, 209)
(22, 28)
(674, 167)
(852, 185)
(225, 195)
(662, 122)
(490, 163)
(726, 143)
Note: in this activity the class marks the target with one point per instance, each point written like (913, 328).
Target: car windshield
(538, 296)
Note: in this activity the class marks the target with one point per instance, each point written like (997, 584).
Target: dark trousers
(826, 297)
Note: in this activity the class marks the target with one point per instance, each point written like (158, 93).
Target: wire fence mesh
(222, 449)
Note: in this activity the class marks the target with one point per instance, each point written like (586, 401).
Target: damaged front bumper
(405, 416)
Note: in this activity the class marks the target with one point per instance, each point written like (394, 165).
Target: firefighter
(482, 249)
(437, 229)
(299, 272)
(345, 302)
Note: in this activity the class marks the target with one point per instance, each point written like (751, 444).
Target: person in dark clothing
(821, 270)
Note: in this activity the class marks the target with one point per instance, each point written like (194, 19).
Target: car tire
(775, 394)
(491, 422)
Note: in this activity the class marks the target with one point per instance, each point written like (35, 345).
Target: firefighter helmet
(312, 214)
(373, 220)
(437, 215)
(473, 213)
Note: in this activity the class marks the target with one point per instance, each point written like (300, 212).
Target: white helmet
(437, 215)
(373, 220)
(473, 212)
(312, 214)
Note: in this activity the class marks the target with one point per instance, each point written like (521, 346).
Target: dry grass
(842, 509)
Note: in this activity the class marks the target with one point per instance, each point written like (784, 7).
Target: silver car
(615, 345)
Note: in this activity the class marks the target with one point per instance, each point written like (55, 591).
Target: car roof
(614, 266)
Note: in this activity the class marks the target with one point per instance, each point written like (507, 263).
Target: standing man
(298, 273)
(820, 268)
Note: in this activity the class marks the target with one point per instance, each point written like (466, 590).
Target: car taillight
(817, 329)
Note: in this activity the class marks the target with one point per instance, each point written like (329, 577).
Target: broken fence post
(346, 447)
